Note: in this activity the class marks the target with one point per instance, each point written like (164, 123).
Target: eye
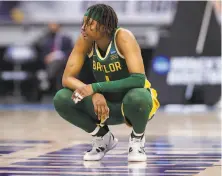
(88, 23)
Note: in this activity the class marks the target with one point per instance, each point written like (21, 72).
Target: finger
(107, 111)
(104, 116)
(76, 100)
(103, 111)
(76, 97)
(79, 95)
(99, 112)
(73, 95)
(96, 111)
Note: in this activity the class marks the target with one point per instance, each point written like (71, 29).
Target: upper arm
(77, 57)
(130, 49)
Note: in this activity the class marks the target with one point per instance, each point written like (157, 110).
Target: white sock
(95, 131)
(137, 134)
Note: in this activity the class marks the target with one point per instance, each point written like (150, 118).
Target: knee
(62, 98)
(137, 99)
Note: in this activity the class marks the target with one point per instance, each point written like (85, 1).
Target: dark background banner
(178, 72)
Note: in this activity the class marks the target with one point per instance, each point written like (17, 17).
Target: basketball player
(121, 94)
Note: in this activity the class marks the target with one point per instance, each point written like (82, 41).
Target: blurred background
(180, 43)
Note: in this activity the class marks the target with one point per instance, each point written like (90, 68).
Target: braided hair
(107, 17)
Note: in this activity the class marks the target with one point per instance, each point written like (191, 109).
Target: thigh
(86, 106)
(143, 96)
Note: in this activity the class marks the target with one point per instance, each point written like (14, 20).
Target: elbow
(67, 81)
(140, 79)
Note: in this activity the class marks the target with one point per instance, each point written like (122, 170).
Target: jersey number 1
(107, 78)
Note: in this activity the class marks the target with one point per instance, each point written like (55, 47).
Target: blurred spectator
(54, 48)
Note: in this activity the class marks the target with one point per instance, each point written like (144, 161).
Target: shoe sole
(136, 160)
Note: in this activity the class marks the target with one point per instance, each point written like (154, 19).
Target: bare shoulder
(124, 35)
(130, 49)
(126, 41)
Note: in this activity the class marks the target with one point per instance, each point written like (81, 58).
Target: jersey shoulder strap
(114, 41)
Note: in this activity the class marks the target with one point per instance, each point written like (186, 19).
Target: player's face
(90, 30)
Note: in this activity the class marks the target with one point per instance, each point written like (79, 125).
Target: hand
(48, 58)
(100, 107)
(82, 92)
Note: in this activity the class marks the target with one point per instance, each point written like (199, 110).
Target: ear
(102, 28)
(93, 25)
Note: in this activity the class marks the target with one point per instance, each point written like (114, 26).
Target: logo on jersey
(113, 56)
(113, 52)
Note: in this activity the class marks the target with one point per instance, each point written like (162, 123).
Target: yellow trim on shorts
(147, 84)
(155, 106)
(155, 101)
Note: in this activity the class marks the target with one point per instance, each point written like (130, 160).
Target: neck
(103, 43)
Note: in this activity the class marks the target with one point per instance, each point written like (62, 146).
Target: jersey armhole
(116, 44)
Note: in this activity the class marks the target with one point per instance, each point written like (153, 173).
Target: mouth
(83, 34)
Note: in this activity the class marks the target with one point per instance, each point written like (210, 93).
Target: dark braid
(108, 17)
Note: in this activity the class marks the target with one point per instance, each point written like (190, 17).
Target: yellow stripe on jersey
(107, 51)
(116, 44)
(91, 53)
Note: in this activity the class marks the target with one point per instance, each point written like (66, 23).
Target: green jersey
(111, 67)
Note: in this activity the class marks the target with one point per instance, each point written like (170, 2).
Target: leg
(83, 116)
(136, 107)
(71, 112)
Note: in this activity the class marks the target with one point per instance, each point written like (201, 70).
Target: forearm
(133, 81)
(72, 83)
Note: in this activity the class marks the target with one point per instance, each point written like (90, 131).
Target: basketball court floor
(36, 141)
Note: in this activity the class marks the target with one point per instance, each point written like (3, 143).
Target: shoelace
(137, 143)
(96, 143)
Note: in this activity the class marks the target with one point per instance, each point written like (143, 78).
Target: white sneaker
(136, 149)
(100, 146)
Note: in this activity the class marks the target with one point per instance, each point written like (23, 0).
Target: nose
(83, 27)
